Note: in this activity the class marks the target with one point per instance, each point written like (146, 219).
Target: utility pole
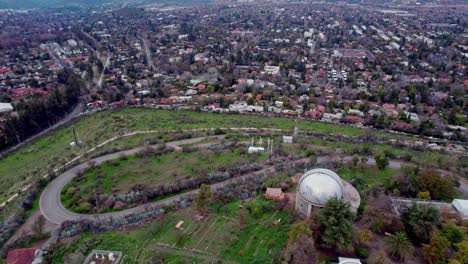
(74, 135)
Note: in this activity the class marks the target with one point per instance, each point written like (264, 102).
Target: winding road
(51, 206)
(50, 202)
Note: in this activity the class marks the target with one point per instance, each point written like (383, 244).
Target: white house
(238, 107)
(255, 108)
(356, 112)
(272, 70)
(191, 92)
(279, 104)
(329, 117)
(5, 107)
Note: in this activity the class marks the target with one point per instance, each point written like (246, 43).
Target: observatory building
(317, 186)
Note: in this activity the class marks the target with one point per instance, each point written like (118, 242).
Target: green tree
(440, 188)
(298, 229)
(381, 161)
(453, 233)
(399, 245)
(436, 250)
(426, 195)
(203, 197)
(419, 220)
(462, 252)
(334, 227)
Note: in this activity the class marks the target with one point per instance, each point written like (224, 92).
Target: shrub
(389, 154)
(407, 157)
(381, 161)
(71, 191)
(310, 153)
(361, 252)
(399, 245)
(218, 131)
(453, 233)
(365, 236)
(279, 181)
(436, 250)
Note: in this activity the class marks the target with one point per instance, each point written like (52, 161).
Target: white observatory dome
(319, 185)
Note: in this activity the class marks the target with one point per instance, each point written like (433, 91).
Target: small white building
(356, 112)
(461, 206)
(272, 70)
(287, 139)
(279, 104)
(5, 107)
(191, 92)
(349, 261)
(330, 118)
(255, 108)
(238, 107)
(253, 149)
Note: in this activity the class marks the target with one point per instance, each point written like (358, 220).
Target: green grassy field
(54, 150)
(120, 175)
(369, 175)
(34, 160)
(215, 237)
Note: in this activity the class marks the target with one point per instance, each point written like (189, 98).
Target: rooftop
(319, 185)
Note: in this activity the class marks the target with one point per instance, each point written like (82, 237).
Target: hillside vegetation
(51, 151)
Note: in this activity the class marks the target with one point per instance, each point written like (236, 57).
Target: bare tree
(38, 225)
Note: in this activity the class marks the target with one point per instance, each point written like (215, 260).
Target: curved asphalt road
(51, 206)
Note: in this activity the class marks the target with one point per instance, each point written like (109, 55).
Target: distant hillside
(26, 4)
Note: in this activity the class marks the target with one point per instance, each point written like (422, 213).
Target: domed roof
(317, 186)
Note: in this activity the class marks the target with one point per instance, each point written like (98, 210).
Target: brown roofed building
(274, 194)
(24, 256)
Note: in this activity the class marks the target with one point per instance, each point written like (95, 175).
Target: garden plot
(198, 236)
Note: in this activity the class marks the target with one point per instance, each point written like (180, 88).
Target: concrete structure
(317, 186)
(253, 149)
(458, 207)
(103, 256)
(461, 206)
(342, 260)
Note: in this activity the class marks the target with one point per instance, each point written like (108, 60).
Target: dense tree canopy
(36, 114)
(419, 220)
(413, 182)
(335, 224)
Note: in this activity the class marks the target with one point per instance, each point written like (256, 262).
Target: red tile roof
(18, 93)
(21, 256)
(4, 70)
